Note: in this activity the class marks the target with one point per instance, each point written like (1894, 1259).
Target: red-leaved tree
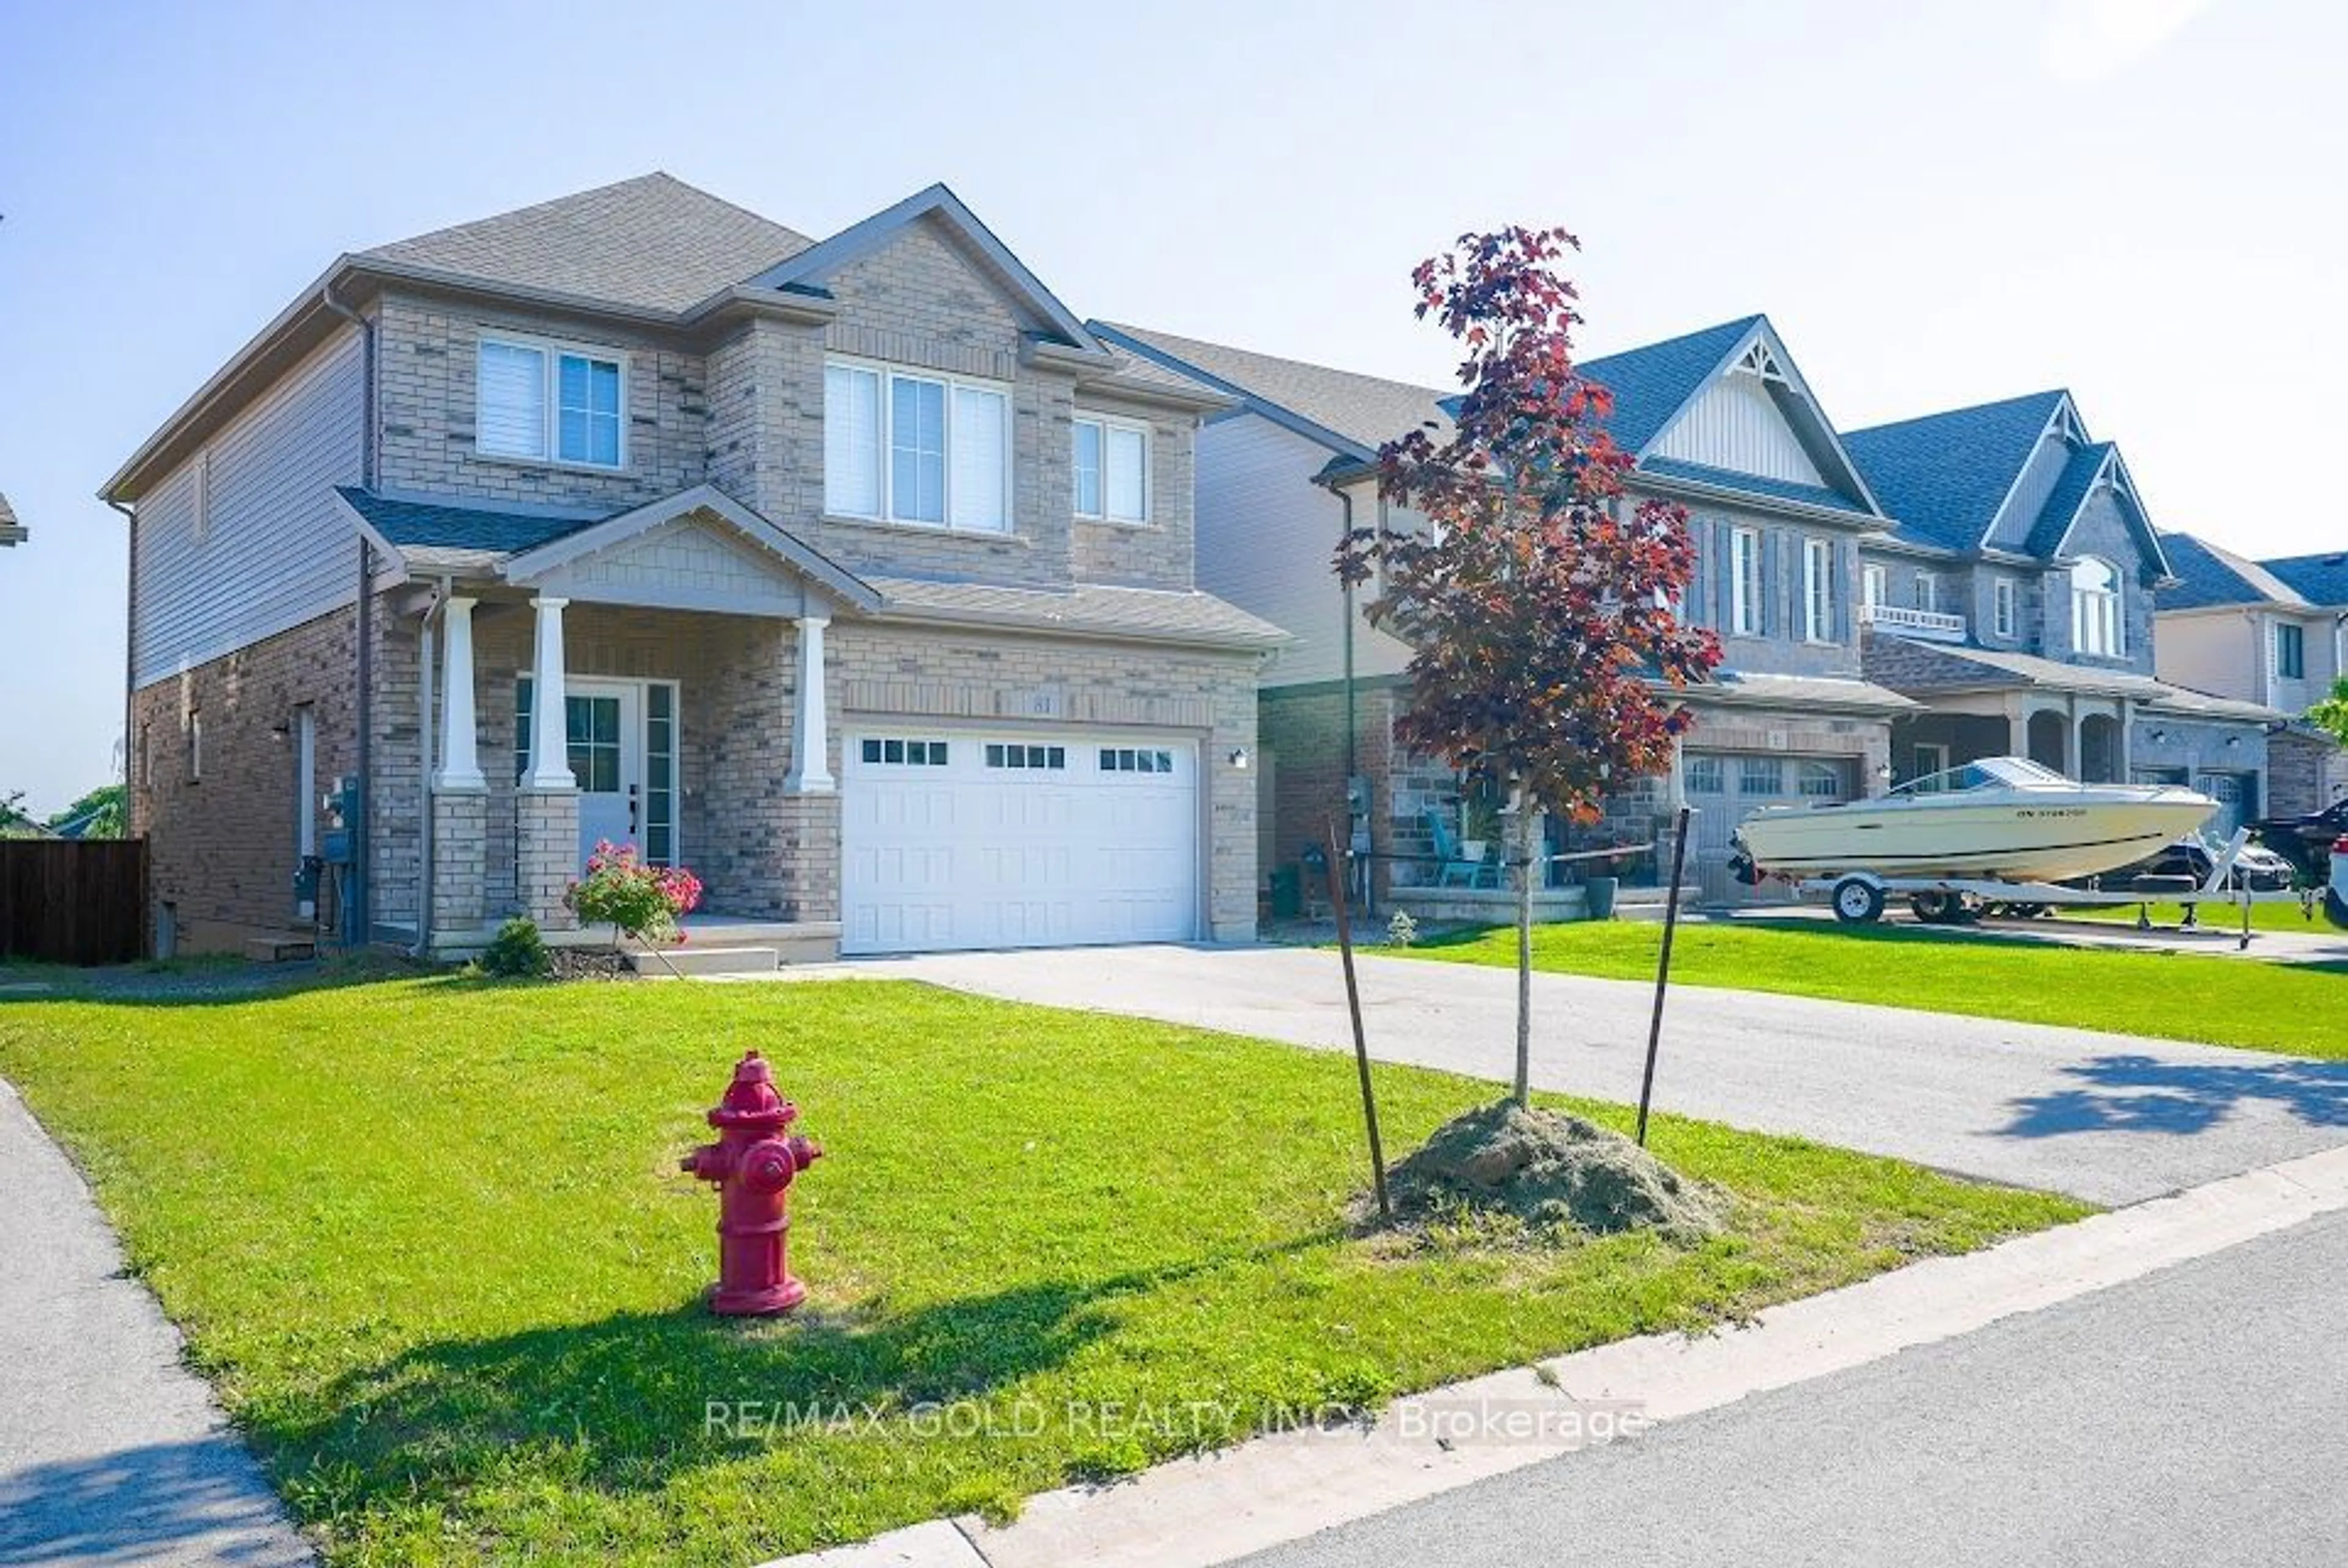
(1538, 599)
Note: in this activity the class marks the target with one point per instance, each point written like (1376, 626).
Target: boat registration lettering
(2052, 811)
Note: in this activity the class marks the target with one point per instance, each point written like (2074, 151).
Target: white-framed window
(1707, 775)
(1745, 581)
(1928, 590)
(1760, 776)
(904, 447)
(2290, 650)
(1875, 586)
(2097, 625)
(1819, 780)
(1818, 591)
(1040, 758)
(1112, 469)
(2005, 613)
(548, 402)
(908, 753)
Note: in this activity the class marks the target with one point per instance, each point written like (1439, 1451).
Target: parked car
(2306, 841)
(2194, 857)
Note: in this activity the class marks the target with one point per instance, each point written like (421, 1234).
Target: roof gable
(1747, 417)
(809, 269)
(653, 243)
(1944, 478)
(2092, 469)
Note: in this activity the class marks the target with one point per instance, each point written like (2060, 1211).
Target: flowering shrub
(639, 900)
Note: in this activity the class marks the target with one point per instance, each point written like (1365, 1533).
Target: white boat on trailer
(1998, 819)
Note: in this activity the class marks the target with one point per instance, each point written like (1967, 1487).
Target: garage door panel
(1018, 840)
(1726, 787)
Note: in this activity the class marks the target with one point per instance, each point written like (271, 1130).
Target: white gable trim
(2112, 473)
(1794, 402)
(2062, 420)
(819, 261)
(802, 558)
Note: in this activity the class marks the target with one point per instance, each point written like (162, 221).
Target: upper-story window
(1112, 469)
(1818, 591)
(2290, 650)
(2003, 616)
(1928, 590)
(1875, 586)
(903, 448)
(1745, 581)
(2097, 626)
(546, 402)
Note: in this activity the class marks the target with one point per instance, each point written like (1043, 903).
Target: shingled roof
(1944, 475)
(2319, 579)
(2210, 576)
(12, 532)
(653, 243)
(1654, 381)
(1361, 412)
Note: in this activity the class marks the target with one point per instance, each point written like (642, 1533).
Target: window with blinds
(541, 402)
(908, 448)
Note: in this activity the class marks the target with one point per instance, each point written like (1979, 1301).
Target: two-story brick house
(1719, 420)
(854, 574)
(2012, 598)
(2274, 633)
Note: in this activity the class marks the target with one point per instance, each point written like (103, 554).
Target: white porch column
(811, 723)
(460, 758)
(2124, 763)
(549, 732)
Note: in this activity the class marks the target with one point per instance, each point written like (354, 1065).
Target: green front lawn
(2292, 1008)
(428, 1238)
(2223, 916)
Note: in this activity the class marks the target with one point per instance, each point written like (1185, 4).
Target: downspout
(358, 919)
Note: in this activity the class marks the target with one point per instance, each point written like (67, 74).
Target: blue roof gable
(2064, 501)
(1944, 475)
(1754, 485)
(2205, 577)
(2320, 580)
(1652, 384)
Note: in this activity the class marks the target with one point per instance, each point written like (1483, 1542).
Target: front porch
(2081, 736)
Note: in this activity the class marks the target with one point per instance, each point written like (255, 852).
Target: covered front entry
(1012, 838)
(622, 749)
(1726, 787)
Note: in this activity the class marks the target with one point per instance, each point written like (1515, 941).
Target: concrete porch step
(694, 959)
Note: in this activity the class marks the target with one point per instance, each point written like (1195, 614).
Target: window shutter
(509, 401)
(980, 473)
(1845, 558)
(851, 442)
(1772, 580)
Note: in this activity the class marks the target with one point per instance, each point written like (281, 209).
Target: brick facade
(2305, 773)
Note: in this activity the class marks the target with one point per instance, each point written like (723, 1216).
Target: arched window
(2097, 626)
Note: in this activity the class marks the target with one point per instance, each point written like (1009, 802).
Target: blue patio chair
(1456, 869)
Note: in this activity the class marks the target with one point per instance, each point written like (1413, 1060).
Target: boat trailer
(1857, 897)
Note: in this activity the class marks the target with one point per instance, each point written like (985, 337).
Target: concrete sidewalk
(111, 1450)
(2106, 1117)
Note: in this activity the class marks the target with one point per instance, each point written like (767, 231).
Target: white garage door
(961, 839)
(1726, 787)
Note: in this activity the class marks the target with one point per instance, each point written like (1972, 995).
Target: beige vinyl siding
(277, 551)
(1266, 535)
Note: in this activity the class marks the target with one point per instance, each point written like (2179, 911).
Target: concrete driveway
(2109, 1118)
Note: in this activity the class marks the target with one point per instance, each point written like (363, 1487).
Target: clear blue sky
(1938, 203)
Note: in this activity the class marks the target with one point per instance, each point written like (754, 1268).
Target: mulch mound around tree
(1550, 1171)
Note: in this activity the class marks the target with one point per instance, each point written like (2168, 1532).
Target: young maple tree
(1538, 600)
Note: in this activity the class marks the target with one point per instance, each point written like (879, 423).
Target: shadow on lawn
(2146, 1094)
(628, 1402)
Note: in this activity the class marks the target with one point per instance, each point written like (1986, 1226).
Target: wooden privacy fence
(73, 901)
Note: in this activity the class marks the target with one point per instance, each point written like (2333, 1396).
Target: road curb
(1194, 1512)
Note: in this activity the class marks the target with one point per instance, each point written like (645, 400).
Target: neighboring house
(855, 575)
(12, 532)
(2013, 598)
(1719, 420)
(2269, 632)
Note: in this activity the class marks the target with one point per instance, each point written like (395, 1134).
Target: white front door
(605, 722)
(1016, 840)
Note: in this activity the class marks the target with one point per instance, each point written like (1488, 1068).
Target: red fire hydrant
(753, 1164)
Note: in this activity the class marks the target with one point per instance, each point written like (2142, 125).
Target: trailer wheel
(1858, 901)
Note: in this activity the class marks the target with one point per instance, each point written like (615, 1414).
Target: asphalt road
(2197, 1416)
(2109, 1118)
